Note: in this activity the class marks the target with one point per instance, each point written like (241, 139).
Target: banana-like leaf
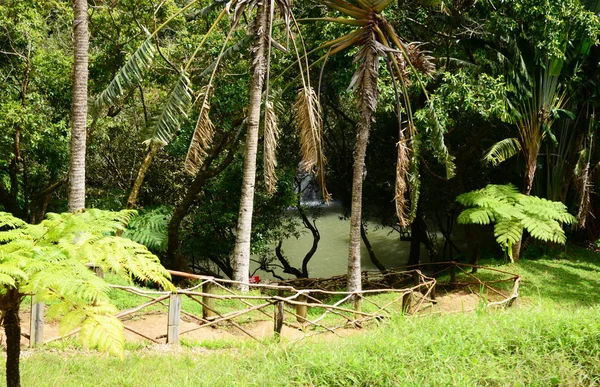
(164, 125)
(502, 150)
(129, 76)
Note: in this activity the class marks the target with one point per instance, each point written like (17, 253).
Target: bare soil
(154, 325)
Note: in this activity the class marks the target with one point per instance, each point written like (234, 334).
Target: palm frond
(271, 137)
(402, 166)
(307, 112)
(502, 150)
(203, 134)
(229, 53)
(164, 125)
(129, 76)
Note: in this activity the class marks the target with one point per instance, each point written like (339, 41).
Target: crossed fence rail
(312, 306)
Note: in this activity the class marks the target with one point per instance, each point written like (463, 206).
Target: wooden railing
(312, 311)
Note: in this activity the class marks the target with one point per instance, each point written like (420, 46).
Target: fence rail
(307, 305)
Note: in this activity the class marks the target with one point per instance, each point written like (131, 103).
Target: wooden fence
(313, 310)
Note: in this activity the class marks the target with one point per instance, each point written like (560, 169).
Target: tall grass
(551, 339)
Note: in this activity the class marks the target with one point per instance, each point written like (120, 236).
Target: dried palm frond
(271, 137)
(307, 111)
(203, 134)
(402, 166)
(583, 186)
(414, 176)
(421, 60)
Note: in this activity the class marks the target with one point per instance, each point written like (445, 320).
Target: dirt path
(154, 324)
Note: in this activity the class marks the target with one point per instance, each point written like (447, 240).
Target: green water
(331, 258)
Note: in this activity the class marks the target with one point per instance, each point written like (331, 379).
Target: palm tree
(79, 106)
(376, 38)
(534, 117)
(259, 35)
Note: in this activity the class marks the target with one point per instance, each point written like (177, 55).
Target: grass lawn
(552, 338)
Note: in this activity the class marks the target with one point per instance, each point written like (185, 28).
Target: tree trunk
(79, 106)
(12, 329)
(135, 190)
(530, 168)
(372, 256)
(367, 102)
(354, 267)
(241, 255)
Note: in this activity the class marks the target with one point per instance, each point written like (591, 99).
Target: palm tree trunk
(79, 106)
(241, 255)
(367, 102)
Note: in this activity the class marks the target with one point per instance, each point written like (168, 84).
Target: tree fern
(50, 260)
(511, 212)
(149, 229)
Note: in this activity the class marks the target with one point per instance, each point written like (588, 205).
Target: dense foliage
(456, 81)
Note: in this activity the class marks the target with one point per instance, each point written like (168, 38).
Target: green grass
(552, 338)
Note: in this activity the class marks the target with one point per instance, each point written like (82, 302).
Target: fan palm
(535, 115)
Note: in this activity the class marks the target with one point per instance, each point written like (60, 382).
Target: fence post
(406, 301)
(36, 331)
(209, 302)
(453, 273)
(174, 318)
(301, 310)
(278, 318)
(357, 306)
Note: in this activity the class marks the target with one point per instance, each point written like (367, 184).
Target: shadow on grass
(562, 281)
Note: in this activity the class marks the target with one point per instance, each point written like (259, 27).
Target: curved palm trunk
(367, 102)
(79, 106)
(241, 255)
(139, 180)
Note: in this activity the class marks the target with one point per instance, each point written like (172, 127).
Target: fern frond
(103, 332)
(512, 212)
(9, 221)
(508, 232)
(129, 76)
(502, 150)
(476, 216)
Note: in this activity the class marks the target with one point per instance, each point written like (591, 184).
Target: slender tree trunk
(12, 329)
(241, 255)
(367, 102)
(372, 256)
(527, 186)
(354, 266)
(79, 106)
(135, 190)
